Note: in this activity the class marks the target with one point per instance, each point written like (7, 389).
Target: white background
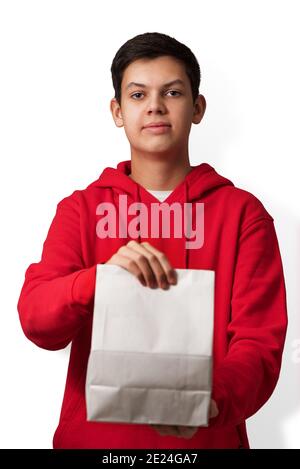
(57, 135)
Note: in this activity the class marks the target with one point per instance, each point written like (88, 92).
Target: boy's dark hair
(152, 45)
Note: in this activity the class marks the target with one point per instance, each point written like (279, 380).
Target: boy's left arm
(247, 376)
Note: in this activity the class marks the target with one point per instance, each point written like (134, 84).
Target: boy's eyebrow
(141, 85)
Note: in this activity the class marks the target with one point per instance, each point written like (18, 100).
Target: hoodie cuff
(83, 289)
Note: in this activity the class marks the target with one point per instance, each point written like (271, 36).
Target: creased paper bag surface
(151, 350)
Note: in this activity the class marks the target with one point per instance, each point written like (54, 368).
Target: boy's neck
(159, 175)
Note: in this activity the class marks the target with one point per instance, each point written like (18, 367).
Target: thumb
(213, 409)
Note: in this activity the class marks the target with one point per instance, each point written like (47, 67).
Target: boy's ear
(116, 112)
(199, 109)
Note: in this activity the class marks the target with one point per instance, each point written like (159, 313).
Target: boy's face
(155, 102)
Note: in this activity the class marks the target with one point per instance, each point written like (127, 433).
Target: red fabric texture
(240, 244)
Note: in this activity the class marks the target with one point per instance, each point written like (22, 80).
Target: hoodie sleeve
(58, 292)
(247, 376)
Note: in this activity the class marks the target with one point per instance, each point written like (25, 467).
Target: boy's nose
(156, 105)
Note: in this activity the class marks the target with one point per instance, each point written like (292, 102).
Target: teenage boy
(156, 81)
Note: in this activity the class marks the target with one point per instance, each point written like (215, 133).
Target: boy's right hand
(185, 431)
(148, 264)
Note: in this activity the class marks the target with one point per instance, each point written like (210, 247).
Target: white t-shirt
(160, 195)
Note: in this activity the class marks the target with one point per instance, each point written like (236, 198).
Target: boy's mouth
(157, 124)
(157, 127)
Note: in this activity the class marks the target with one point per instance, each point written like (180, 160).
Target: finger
(128, 264)
(166, 430)
(180, 431)
(152, 261)
(187, 432)
(132, 252)
(213, 409)
(169, 271)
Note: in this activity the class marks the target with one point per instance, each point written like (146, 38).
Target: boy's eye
(134, 94)
(174, 91)
(170, 91)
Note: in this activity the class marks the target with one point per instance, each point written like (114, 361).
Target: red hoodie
(240, 244)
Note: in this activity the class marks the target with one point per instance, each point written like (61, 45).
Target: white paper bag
(151, 350)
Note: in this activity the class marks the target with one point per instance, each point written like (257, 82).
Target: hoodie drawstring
(139, 200)
(185, 250)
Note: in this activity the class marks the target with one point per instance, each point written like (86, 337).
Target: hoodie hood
(199, 181)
